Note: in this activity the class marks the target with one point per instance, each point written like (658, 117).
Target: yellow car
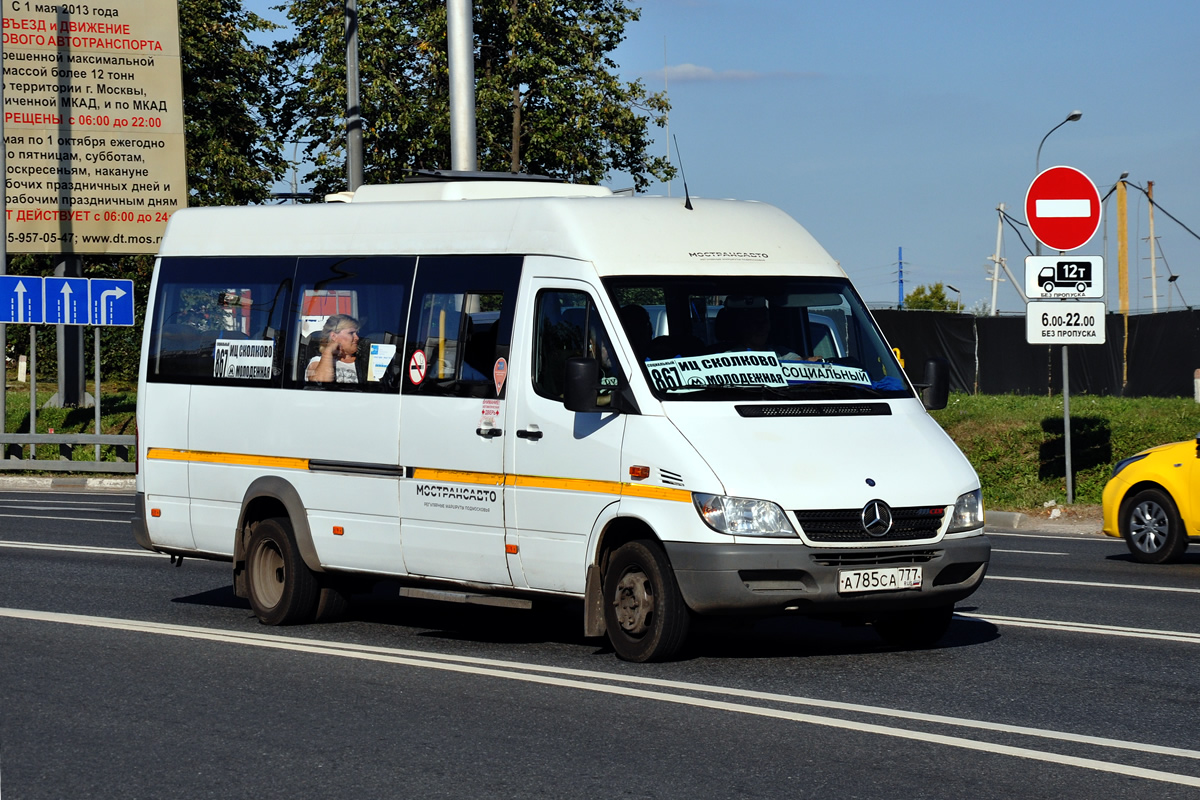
(1151, 501)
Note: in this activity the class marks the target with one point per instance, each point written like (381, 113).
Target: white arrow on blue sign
(21, 299)
(112, 302)
(67, 301)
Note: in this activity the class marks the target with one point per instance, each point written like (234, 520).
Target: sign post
(1062, 208)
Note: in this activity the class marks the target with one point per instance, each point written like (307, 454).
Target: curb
(78, 484)
(1004, 520)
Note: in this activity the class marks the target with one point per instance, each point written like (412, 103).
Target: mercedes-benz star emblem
(877, 518)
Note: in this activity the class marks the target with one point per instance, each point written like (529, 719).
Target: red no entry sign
(1062, 208)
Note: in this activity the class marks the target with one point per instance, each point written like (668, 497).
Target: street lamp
(1037, 161)
(957, 292)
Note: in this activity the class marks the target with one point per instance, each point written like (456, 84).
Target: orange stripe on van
(566, 484)
(456, 476)
(237, 459)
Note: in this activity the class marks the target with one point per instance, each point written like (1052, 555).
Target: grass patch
(1015, 442)
(118, 405)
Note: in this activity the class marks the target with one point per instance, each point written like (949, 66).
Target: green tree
(548, 99)
(932, 298)
(233, 155)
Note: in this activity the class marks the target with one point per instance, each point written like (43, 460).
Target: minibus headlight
(968, 512)
(739, 516)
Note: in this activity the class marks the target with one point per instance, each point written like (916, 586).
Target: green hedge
(1015, 442)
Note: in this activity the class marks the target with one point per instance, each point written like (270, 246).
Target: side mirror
(583, 379)
(936, 391)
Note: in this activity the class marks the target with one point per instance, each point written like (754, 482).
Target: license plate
(880, 579)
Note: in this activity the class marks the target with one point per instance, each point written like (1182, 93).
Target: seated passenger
(337, 361)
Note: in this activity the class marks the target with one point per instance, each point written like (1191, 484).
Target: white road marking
(1095, 584)
(1088, 627)
(25, 500)
(118, 520)
(585, 681)
(1030, 552)
(78, 548)
(1083, 537)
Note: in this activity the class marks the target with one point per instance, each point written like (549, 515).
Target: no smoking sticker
(417, 366)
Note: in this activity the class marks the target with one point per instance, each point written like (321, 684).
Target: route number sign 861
(1064, 322)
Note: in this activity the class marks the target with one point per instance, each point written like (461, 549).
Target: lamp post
(1037, 161)
(958, 302)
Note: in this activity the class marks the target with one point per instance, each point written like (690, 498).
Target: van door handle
(526, 434)
(489, 432)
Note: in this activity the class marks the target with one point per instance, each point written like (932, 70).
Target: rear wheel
(1152, 528)
(918, 627)
(645, 614)
(283, 591)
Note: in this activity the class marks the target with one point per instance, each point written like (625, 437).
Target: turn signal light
(639, 473)
(156, 512)
(338, 530)
(511, 549)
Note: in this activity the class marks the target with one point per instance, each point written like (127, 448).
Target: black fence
(988, 355)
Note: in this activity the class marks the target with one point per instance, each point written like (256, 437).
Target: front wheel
(918, 627)
(283, 590)
(645, 614)
(1048, 287)
(1152, 528)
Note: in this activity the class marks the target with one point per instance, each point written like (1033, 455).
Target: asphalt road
(1069, 674)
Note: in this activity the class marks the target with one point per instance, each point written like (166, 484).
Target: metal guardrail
(66, 441)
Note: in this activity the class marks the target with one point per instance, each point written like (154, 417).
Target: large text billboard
(93, 125)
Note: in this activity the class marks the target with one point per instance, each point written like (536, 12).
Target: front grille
(875, 558)
(817, 410)
(845, 524)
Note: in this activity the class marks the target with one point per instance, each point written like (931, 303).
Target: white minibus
(496, 391)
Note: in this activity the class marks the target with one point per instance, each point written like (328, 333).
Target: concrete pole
(354, 137)
(996, 256)
(1153, 271)
(1123, 279)
(460, 37)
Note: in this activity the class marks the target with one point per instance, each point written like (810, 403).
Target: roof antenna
(687, 199)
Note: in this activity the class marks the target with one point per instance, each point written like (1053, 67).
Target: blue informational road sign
(111, 302)
(67, 301)
(21, 299)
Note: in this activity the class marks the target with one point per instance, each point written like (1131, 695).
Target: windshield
(733, 337)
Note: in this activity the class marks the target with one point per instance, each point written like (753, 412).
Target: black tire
(645, 614)
(1081, 287)
(1048, 287)
(283, 591)
(333, 601)
(918, 627)
(1151, 527)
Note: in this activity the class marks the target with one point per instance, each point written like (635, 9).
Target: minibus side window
(220, 321)
(567, 326)
(348, 323)
(460, 326)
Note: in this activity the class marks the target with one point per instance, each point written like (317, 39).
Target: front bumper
(772, 578)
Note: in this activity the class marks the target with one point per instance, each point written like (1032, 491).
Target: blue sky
(881, 125)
